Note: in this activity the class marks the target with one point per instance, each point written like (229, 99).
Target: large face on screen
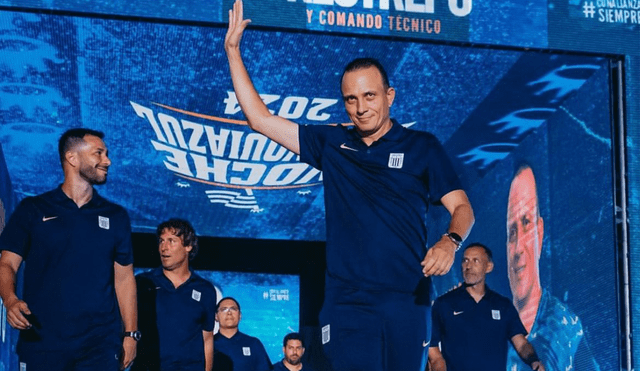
(367, 101)
(525, 230)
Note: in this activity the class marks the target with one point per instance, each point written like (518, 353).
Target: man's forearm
(528, 354)
(208, 350)
(436, 360)
(462, 220)
(250, 102)
(7, 284)
(125, 285)
(260, 119)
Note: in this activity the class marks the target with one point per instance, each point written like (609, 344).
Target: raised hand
(237, 24)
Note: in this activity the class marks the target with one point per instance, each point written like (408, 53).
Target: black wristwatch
(455, 238)
(136, 335)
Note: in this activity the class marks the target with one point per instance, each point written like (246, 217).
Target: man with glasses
(236, 351)
(176, 306)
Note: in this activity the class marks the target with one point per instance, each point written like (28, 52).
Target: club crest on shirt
(495, 314)
(326, 334)
(246, 351)
(195, 295)
(396, 160)
(103, 222)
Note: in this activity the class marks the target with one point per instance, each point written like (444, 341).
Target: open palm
(237, 24)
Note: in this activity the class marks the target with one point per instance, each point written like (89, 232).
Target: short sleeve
(515, 324)
(16, 235)
(312, 139)
(263, 361)
(210, 308)
(124, 249)
(442, 178)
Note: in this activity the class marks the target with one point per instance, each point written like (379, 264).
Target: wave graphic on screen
(237, 200)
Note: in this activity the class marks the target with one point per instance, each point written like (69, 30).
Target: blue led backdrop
(180, 146)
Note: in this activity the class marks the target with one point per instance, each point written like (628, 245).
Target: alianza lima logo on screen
(225, 154)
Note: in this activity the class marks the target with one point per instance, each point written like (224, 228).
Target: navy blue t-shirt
(68, 255)
(474, 336)
(281, 367)
(172, 321)
(241, 352)
(376, 201)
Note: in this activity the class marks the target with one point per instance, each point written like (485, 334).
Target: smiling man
(554, 330)
(176, 306)
(473, 325)
(379, 181)
(79, 289)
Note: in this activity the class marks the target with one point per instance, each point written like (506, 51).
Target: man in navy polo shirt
(236, 351)
(472, 325)
(176, 306)
(379, 179)
(79, 290)
(293, 349)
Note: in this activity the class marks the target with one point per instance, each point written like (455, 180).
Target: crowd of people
(83, 309)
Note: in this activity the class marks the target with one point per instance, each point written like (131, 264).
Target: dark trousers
(375, 330)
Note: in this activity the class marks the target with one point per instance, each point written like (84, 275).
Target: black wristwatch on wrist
(455, 238)
(136, 335)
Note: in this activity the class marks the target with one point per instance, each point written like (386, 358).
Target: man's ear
(540, 227)
(391, 95)
(71, 157)
(489, 267)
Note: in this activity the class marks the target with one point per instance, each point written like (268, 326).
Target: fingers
(435, 267)
(236, 17)
(437, 262)
(237, 6)
(237, 24)
(128, 352)
(15, 315)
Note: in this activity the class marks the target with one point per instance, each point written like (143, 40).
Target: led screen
(180, 147)
(270, 304)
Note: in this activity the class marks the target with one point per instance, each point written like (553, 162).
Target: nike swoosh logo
(425, 343)
(456, 313)
(344, 146)
(47, 218)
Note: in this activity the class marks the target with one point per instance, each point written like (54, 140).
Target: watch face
(456, 237)
(136, 335)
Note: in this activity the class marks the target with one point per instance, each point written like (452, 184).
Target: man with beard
(293, 349)
(554, 330)
(176, 306)
(472, 325)
(79, 290)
